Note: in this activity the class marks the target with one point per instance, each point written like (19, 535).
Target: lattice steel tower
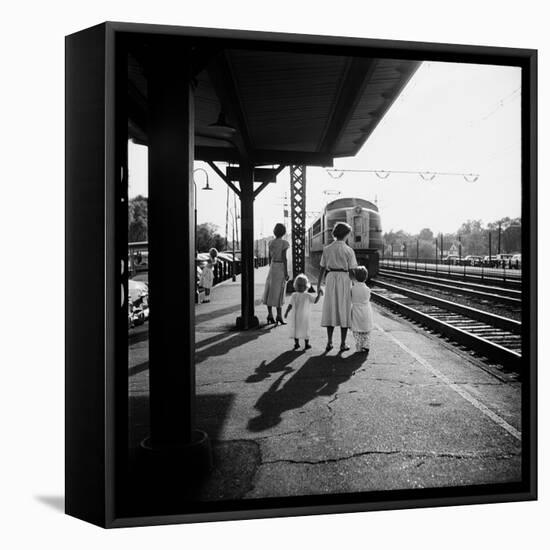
(298, 217)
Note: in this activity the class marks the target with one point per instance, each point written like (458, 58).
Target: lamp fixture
(222, 125)
(217, 130)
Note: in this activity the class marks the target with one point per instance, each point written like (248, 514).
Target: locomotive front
(366, 231)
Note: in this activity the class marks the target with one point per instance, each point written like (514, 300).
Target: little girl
(361, 312)
(300, 302)
(207, 280)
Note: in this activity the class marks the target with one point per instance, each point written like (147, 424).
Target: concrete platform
(416, 413)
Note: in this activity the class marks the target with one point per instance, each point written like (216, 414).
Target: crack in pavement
(204, 384)
(408, 454)
(332, 401)
(290, 432)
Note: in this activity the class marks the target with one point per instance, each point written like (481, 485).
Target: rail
(494, 294)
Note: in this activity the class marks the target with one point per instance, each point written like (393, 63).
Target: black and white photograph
(274, 275)
(358, 258)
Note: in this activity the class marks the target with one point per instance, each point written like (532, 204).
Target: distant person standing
(361, 311)
(213, 253)
(274, 291)
(338, 261)
(207, 280)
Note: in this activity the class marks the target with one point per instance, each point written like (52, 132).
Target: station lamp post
(205, 188)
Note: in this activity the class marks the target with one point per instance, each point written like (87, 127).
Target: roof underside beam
(263, 157)
(221, 76)
(357, 74)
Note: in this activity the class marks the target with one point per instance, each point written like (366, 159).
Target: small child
(207, 280)
(361, 311)
(300, 302)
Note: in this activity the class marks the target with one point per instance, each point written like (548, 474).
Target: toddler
(300, 304)
(361, 312)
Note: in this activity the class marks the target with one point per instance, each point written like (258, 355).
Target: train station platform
(417, 413)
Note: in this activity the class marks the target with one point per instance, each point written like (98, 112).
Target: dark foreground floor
(417, 413)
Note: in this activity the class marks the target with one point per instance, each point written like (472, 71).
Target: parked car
(452, 259)
(473, 260)
(489, 261)
(138, 302)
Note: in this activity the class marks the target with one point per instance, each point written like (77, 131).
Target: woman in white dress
(338, 261)
(274, 291)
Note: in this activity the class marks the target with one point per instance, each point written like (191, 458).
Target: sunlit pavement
(416, 413)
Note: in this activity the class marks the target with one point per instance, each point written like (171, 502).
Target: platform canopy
(287, 108)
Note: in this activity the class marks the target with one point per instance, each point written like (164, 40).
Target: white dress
(207, 277)
(361, 311)
(337, 300)
(299, 315)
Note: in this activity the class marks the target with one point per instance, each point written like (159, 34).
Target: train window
(317, 227)
(357, 225)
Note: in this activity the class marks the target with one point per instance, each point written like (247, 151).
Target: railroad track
(494, 294)
(495, 337)
(486, 279)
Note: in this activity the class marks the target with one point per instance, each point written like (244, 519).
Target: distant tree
(426, 234)
(511, 237)
(474, 238)
(137, 219)
(208, 237)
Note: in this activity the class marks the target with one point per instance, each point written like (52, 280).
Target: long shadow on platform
(209, 315)
(239, 339)
(319, 375)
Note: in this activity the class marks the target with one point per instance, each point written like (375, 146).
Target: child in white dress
(300, 304)
(207, 280)
(361, 311)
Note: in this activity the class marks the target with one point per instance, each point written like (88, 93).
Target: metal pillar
(298, 217)
(247, 320)
(174, 439)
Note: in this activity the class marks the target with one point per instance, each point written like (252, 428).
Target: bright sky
(451, 117)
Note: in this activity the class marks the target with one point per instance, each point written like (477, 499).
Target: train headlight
(358, 210)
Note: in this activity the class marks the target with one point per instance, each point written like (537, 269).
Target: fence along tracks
(497, 338)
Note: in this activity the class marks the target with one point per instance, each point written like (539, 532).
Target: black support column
(171, 259)
(247, 320)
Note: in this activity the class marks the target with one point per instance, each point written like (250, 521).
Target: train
(365, 237)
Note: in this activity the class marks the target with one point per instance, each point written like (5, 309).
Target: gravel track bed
(482, 304)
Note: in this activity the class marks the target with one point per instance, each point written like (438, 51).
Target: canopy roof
(286, 107)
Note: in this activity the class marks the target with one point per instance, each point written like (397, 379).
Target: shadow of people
(235, 341)
(280, 363)
(319, 375)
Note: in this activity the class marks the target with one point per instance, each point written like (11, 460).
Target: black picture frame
(96, 410)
